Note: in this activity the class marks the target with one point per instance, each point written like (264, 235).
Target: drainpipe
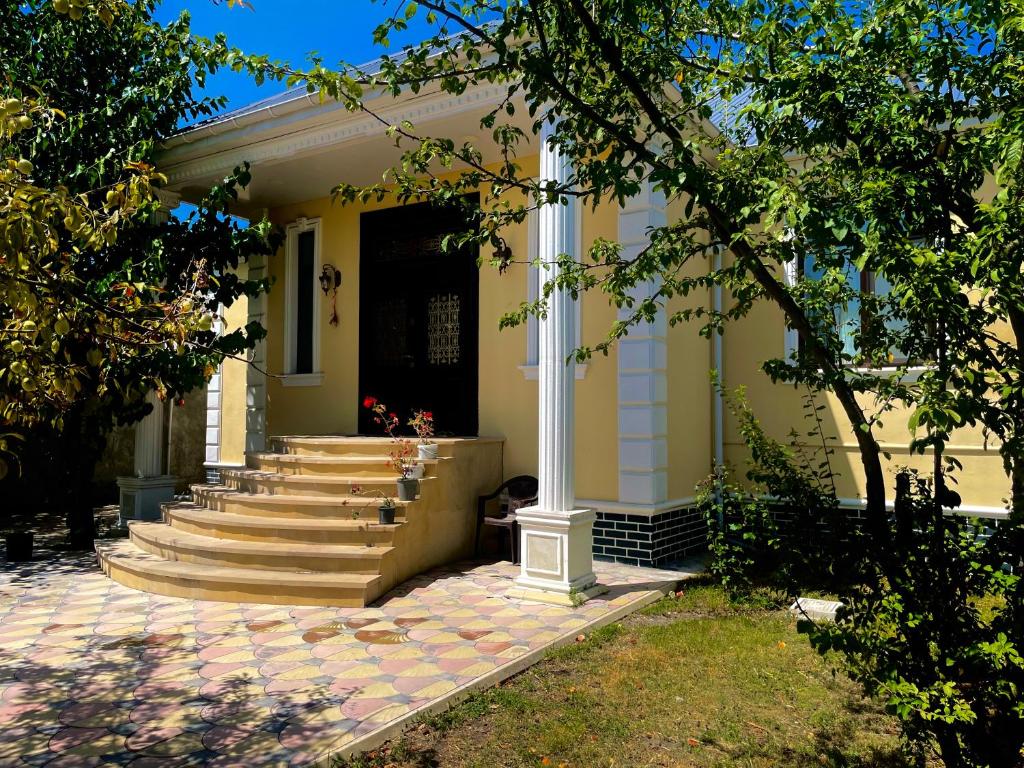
(717, 354)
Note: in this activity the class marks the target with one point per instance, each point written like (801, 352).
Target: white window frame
(292, 231)
(534, 284)
(792, 339)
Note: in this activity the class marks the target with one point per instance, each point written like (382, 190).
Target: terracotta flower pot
(427, 450)
(19, 546)
(408, 487)
(386, 515)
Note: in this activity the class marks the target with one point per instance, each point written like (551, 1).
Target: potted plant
(401, 452)
(422, 423)
(385, 506)
(403, 462)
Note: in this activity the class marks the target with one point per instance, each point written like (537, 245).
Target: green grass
(693, 680)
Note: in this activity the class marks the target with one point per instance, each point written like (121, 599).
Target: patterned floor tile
(93, 673)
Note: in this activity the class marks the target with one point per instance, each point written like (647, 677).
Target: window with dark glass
(852, 316)
(305, 281)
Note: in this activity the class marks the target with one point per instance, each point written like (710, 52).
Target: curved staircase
(299, 525)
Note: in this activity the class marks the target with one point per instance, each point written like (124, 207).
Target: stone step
(273, 483)
(352, 466)
(192, 518)
(128, 565)
(173, 544)
(221, 498)
(342, 445)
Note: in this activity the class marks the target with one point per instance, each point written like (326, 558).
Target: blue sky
(289, 30)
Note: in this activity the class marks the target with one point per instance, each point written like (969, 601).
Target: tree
(103, 299)
(849, 138)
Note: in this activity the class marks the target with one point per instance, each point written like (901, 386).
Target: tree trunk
(80, 444)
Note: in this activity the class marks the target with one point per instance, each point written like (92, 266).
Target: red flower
(393, 417)
(428, 415)
(369, 402)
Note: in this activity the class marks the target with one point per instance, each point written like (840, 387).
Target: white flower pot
(417, 471)
(427, 450)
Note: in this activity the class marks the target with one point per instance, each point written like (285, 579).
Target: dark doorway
(418, 317)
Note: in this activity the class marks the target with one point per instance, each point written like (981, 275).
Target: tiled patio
(93, 673)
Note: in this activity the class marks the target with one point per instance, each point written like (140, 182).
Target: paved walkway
(93, 673)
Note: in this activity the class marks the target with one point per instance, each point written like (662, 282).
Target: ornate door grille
(443, 329)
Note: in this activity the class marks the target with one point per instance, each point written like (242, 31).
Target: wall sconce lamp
(330, 281)
(503, 255)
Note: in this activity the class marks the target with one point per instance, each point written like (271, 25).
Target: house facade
(365, 302)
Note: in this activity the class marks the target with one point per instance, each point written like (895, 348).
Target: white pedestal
(141, 497)
(557, 563)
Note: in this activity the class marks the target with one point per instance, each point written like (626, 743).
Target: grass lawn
(689, 681)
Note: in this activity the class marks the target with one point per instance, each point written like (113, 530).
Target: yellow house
(364, 302)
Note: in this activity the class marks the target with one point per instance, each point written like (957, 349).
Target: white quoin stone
(556, 539)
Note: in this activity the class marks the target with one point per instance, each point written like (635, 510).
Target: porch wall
(507, 399)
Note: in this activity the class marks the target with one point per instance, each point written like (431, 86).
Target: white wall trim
(264, 136)
(290, 305)
(255, 379)
(967, 510)
(642, 361)
(301, 379)
(622, 508)
(214, 404)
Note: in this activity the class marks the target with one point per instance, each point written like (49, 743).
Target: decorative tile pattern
(648, 541)
(94, 673)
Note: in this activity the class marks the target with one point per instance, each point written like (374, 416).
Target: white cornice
(217, 154)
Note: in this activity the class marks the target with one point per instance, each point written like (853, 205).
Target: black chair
(513, 494)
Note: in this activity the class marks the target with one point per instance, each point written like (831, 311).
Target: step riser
(274, 506)
(370, 564)
(372, 534)
(353, 447)
(281, 487)
(225, 590)
(368, 469)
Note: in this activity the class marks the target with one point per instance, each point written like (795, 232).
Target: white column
(149, 440)
(143, 492)
(642, 369)
(556, 539)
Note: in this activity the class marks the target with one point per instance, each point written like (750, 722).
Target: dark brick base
(648, 540)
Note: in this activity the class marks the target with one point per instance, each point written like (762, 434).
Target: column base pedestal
(141, 497)
(557, 560)
(571, 599)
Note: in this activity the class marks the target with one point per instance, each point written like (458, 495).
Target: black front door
(418, 318)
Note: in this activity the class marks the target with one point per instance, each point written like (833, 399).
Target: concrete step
(273, 483)
(195, 519)
(174, 544)
(353, 466)
(342, 445)
(222, 498)
(128, 565)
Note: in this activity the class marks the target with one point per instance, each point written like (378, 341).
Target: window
(302, 302)
(849, 319)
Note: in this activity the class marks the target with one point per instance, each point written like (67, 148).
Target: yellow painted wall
(690, 452)
(761, 336)
(233, 383)
(508, 401)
